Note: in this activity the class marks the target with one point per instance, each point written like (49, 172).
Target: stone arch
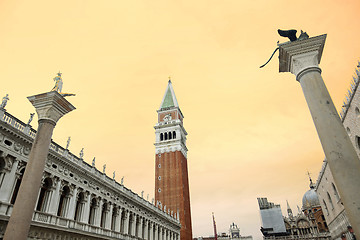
(170, 135)
(174, 135)
(165, 136)
(161, 136)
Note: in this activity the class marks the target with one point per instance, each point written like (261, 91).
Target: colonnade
(66, 200)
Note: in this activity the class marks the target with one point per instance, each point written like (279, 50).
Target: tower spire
(169, 100)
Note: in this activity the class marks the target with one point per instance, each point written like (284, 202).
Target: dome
(310, 199)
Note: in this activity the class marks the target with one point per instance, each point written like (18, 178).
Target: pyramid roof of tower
(169, 100)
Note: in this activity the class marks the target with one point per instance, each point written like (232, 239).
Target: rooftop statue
(4, 101)
(291, 34)
(31, 118)
(59, 84)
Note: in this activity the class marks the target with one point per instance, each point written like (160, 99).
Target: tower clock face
(167, 117)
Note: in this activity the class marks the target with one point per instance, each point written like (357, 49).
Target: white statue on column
(104, 167)
(93, 162)
(114, 175)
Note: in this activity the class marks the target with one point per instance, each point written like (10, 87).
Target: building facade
(301, 226)
(76, 200)
(326, 189)
(171, 172)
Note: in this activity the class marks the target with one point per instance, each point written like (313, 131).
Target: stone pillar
(302, 58)
(127, 221)
(70, 214)
(151, 230)
(146, 229)
(85, 208)
(133, 226)
(50, 107)
(156, 232)
(140, 230)
(8, 182)
(98, 211)
(54, 201)
(118, 220)
(108, 218)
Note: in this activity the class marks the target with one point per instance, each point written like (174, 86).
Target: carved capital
(50, 106)
(299, 56)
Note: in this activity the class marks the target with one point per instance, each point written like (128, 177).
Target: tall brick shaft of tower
(171, 173)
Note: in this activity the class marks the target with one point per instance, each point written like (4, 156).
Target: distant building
(234, 234)
(301, 226)
(326, 189)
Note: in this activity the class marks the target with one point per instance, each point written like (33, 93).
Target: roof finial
(311, 183)
(169, 79)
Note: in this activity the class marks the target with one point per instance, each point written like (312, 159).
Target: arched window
(326, 208)
(17, 186)
(79, 206)
(331, 203)
(103, 214)
(335, 192)
(170, 137)
(92, 211)
(44, 195)
(64, 199)
(161, 136)
(165, 136)
(174, 135)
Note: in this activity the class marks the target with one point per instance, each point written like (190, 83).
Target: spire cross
(169, 78)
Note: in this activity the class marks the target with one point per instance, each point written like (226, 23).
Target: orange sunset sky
(250, 131)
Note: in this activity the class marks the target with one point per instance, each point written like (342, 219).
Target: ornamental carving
(26, 151)
(17, 146)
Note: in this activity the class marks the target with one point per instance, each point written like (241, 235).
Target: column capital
(301, 55)
(50, 106)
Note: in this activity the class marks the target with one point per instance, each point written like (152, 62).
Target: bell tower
(171, 173)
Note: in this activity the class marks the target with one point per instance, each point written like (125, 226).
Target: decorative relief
(26, 151)
(17, 146)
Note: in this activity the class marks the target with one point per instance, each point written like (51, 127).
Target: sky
(250, 133)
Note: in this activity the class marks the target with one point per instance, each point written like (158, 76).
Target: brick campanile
(171, 173)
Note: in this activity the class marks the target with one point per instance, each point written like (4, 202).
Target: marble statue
(93, 162)
(31, 118)
(4, 101)
(68, 143)
(104, 167)
(81, 154)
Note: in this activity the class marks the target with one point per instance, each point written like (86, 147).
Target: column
(156, 232)
(140, 228)
(146, 229)
(8, 183)
(54, 201)
(118, 220)
(50, 107)
(151, 230)
(86, 208)
(97, 217)
(70, 214)
(302, 58)
(127, 222)
(133, 225)
(108, 217)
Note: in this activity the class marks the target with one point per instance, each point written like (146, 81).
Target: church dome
(310, 199)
